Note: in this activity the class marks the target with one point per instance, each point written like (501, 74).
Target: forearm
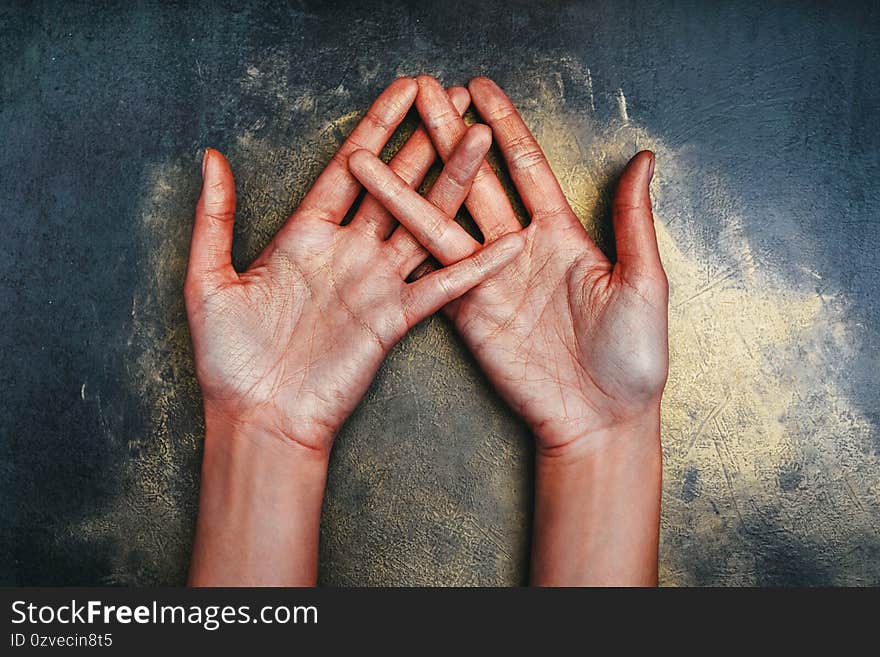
(259, 509)
(597, 509)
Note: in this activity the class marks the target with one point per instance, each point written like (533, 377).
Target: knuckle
(436, 227)
(411, 306)
(376, 120)
(370, 221)
(340, 157)
(482, 262)
(457, 176)
(552, 212)
(627, 208)
(494, 230)
(500, 112)
(350, 145)
(407, 170)
(525, 154)
(483, 173)
(444, 117)
(447, 285)
(318, 212)
(222, 215)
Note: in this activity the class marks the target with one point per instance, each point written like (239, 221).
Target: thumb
(634, 235)
(211, 247)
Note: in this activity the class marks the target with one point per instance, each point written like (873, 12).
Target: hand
(285, 350)
(291, 345)
(576, 344)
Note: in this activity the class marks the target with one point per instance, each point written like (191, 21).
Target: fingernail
(651, 168)
(204, 162)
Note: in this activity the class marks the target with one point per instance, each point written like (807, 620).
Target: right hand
(576, 344)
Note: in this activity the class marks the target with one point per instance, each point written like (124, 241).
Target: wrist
(288, 434)
(633, 438)
(597, 506)
(259, 507)
(236, 448)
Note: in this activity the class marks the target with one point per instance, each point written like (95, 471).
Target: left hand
(285, 350)
(290, 346)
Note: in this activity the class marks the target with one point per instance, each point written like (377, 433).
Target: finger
(336, 189)
(427, 295)
(454, 182)
(634, 235)
(447, 194)
(211, 246)
(406, 252)
(411, 163)
(422, 269)
(440, 234)
(531, 173)
(488, 202)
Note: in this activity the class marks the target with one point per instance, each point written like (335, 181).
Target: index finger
(531, 173)
(487, 202)
(411, 163)
(437, 232)
(336, 189)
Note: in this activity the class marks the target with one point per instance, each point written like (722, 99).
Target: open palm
(292, 344)
(572, 341)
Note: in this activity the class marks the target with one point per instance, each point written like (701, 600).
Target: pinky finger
(430, 293)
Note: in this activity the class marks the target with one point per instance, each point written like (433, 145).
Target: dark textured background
(763, 115)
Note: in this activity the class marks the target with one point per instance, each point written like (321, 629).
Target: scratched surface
(764, 119)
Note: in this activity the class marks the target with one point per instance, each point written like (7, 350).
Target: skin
(285, 350)
(576, 344)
